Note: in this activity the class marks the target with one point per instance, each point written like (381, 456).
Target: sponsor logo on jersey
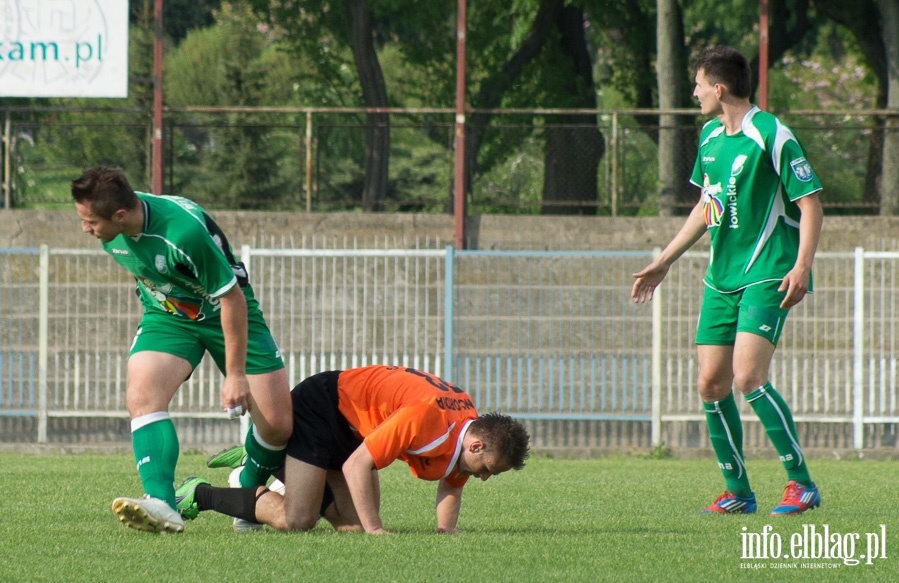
(712, 206)
(183, 306)
(159, 262)
(708, 158)
(120, 252)
(801, 169)
(735, 169)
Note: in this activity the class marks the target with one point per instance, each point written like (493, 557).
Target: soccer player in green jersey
(196, 298)
(759, 203)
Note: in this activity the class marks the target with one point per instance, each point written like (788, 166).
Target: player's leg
(266, 441)
(725, 428)
(195, 495)
(153, 378)
(761, 321)
(269, 397)
(341, 512)
(715, 338)
(305, 489)
(309, 493)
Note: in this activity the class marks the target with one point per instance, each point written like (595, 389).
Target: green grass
(611, 519)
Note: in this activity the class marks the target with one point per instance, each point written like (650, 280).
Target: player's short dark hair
(504, 436)
(105, 189)
(727, 66)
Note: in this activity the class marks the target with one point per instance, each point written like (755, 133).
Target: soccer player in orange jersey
(349, 424)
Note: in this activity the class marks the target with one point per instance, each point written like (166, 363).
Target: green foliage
(612, 519)
(228, 65)
(255, 52)
(54, 147)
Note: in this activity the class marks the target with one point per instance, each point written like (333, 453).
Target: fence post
(308, 161)
(656, 361)
(858, 357)
(7, 166)
(43, 342)
(614, 201)
(448, 314)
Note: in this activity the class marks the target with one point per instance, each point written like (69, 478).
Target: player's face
(707, 95)
(481, 464)
(104, 229)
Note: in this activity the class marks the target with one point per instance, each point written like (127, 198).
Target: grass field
(611, 519)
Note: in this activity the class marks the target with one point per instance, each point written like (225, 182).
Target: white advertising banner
(63, 48)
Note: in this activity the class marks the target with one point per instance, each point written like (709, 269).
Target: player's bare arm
(449, 502)
(236, 389)
(649, 278)
(795, 283)
(358, 471)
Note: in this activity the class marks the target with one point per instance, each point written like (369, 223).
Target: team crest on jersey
(161, 267)
(712, 206)
(801, 169)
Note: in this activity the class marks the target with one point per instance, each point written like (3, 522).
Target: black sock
(236, 502)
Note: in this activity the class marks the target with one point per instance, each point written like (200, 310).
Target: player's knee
(300, 522)
(275, 429)
(748, 381)
(283, 427)
(711, 390)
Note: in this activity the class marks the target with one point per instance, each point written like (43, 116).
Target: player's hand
(648, 279)
(795, 283)
(379, 530)
(236, 395)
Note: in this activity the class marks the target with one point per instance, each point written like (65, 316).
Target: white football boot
(148, 514)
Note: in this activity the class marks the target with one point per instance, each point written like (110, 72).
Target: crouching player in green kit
(760, 205)
(196, 298)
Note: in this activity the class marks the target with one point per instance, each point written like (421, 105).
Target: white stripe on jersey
(433, 444)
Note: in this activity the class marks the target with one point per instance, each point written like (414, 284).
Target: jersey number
(435, 381)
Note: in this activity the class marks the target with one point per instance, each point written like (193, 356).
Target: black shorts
(321, 435)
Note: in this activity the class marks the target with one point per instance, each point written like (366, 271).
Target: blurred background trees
(562, 55)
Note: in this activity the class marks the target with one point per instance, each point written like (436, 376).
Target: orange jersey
(402, 413)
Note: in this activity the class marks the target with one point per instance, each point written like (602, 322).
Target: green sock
(262, 460)
(777, 420)
(726, 433)
(155, 445)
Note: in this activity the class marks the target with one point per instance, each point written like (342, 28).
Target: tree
(225, 65)
(675, 135)
(320, 29)
(374, 94)
(862, 19)
(889, 201)
(573, 151)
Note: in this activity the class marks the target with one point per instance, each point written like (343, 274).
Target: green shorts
(755, 309)
(190, 339)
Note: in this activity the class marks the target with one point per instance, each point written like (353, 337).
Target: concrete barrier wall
(25, 228)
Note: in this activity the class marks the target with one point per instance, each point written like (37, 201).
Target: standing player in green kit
(760, 206)
(196, 298)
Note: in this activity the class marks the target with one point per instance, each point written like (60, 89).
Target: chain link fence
(523, 162)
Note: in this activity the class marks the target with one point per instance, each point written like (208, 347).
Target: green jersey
(750, 182)
(181, 260)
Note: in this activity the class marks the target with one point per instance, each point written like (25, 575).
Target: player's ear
(476, 446)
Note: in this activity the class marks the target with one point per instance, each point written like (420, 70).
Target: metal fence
(314, 160)
(549, 337)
